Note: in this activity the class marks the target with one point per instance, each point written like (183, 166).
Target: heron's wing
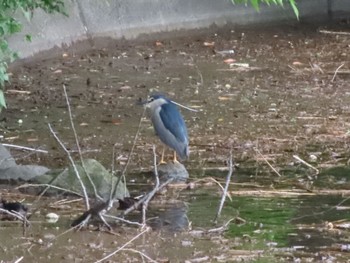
(174, 122)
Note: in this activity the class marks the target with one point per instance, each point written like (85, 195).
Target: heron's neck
(154, 105)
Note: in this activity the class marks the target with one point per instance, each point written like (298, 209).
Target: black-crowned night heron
(169, 125)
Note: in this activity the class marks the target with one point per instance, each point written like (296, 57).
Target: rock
(6, 159)
(52, 218)
(22, 172)
(177, 171)
(98, 173)
(9, 170)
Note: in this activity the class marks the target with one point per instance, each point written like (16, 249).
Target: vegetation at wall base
(256, 4)
(9, 25)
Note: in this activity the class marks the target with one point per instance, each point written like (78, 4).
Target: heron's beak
(141, 102)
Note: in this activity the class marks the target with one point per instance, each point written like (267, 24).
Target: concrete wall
(132, 18)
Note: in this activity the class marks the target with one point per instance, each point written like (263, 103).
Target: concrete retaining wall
(130, 19)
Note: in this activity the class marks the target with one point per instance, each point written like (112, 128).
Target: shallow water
(284, 100)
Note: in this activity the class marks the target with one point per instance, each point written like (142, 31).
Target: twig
(78, 145)
(315, 67)
(307, 164)
(215, 181)
(336, 71)
(334, 32)
(122, 220)
(138, 203)
(47, 187)
(123, 246)
(321, 213)
(228, 179)
(142, 254)
(114, 189)
(155, 189)
(24, 148)
(13, 91)
(200, 76)
(273, 169)
(86, 198)
(18, 260)
(222, 228)
(17, 215)
(78, 227)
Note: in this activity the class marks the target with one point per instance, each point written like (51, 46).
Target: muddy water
(281, 98)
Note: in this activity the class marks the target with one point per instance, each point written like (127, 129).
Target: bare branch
(17, 215)
(155, 189)
(114, 189)
(86, 198)
(77, 143)
(228, 179)
(47, 187)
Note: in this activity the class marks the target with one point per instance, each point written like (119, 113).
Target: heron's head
(154, 101)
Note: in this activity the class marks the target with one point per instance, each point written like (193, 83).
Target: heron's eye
(150, 99)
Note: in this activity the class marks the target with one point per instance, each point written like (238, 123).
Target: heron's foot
(175, 161)
(162, 162)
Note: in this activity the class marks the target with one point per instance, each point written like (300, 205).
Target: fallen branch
(123, 246)
(334, 32)
(15, 214)
(307, 164)
(215, 181)
(138, 203)
(273, 169)
(93, 211)
(222, 228)
(336, 71)
(123, 220)
(24, 148)
(228, 179)
(141, 254)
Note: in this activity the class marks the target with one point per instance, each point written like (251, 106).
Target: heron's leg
(175, 159)
(162, 157)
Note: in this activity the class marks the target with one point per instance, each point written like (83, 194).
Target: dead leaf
(242, 65)
(32, 139)
(224, 98)
(13, 91)
(159, 44)
(124, 88)
(116, 122)
(83, 124)
(229, 60)
(58, 71)
(209, 44)
(12, 138)
(297, 63)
